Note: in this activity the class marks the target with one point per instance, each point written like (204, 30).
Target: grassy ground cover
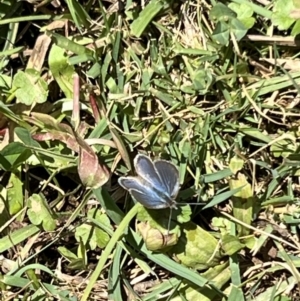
(211, 86)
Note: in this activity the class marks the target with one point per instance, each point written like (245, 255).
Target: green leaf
(4, 109)
(61, 70)
(296, 28)
(219, 275)
(4, 215)
(67, 254)
(197, 248)
(114, 286)
(221, 12)
(217, 176)
(4, 163)
(92, 236)
(13, 155)
(15, 193)
(221, 33)
(69, 45)
(79, 15)
(159, 219)
(17, 236)
(282, 148)
(25, 136)
(39, 213)
(238, 29)
(236, 164)
(147, 14)
(75, 263)
(244, 13)
(5, 82)
(231, 244)
(224, 225)
(243, 201)
(281, 14)
(30, 87)
(202, 80)
(217, 199)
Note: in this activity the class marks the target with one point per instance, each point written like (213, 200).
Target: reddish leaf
(91, 172)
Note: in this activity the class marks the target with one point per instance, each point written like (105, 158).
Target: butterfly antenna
(169, 222)
(183, 204)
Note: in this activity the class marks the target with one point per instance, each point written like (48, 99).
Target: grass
(211, 86)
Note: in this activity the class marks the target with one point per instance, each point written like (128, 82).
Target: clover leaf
(30, 87)
(39, 213)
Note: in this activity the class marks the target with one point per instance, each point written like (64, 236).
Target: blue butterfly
(157, 183)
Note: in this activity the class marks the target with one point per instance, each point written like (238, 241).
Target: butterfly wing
(144, 194)
(169, 176)
(145, 169)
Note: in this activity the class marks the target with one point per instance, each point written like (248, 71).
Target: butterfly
(156, 185)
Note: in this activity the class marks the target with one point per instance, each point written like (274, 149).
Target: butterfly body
(156, 184)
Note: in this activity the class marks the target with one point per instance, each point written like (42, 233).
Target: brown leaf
(39, 52)
(61, 136)
(91, 172)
